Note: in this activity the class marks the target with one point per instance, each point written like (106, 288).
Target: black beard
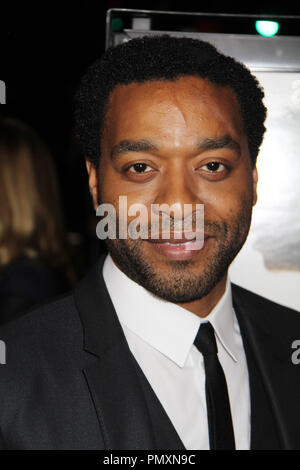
(181, 283)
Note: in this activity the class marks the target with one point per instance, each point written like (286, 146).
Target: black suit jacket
(71, 382)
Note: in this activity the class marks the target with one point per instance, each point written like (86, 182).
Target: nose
(178, 194)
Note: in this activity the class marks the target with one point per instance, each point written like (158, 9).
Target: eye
(139, 168)
(214, 167)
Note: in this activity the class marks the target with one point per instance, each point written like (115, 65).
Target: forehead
(190, 104)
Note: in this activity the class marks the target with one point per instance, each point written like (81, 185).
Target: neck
(202, 307)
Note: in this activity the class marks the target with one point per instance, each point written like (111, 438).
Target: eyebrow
(222, 142)
(144, 145)
(126, 146)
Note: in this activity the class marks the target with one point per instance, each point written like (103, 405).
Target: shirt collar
(224, 321)
(164, 325)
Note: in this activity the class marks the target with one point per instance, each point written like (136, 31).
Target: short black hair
(163, 57)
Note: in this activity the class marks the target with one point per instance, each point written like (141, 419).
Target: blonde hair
(30, 214)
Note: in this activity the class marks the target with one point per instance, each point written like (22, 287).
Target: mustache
(209, 228)
(213, 228)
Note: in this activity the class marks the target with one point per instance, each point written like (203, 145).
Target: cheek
(224, 201)
(114, 192)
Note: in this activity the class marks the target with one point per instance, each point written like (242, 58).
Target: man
(155, 348)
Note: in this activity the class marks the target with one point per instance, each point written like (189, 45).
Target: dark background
(45, 48)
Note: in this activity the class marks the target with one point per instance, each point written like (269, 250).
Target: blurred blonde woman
(34, 263)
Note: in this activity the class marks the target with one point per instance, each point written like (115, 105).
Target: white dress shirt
(160, 335)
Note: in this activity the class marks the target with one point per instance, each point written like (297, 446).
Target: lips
(178, 248)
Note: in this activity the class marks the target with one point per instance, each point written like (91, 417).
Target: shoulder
(259, 306)
(44, 334)
(43, 392)
(49, 336)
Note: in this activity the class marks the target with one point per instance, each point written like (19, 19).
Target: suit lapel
(267, 337)
(111, 376)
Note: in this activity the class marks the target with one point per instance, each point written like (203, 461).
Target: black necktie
(221, 435)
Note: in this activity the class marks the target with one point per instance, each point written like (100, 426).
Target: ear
(93, 182)
(254, 182)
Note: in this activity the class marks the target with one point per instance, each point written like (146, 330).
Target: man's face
(177, 142)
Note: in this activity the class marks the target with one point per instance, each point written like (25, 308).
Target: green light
(267, 28)
(116, 24)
